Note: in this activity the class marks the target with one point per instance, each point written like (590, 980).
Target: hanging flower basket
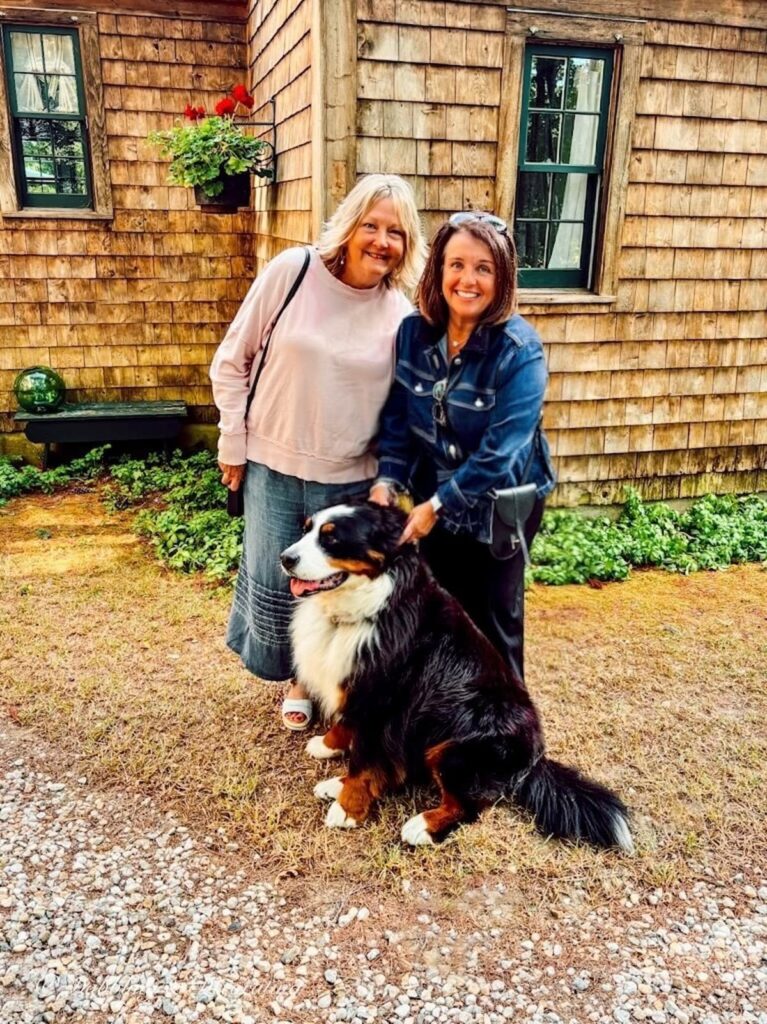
(214, 154)
(234, 194)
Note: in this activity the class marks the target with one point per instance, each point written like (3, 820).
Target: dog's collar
(339, 620)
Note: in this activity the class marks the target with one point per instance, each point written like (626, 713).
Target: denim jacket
(493, 403)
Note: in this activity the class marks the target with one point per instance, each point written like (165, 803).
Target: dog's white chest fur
(329, 630)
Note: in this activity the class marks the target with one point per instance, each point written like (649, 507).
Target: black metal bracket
(269, 163)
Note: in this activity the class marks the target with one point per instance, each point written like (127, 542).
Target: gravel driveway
(110, 912)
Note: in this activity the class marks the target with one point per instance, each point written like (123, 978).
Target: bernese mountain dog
(414, 690)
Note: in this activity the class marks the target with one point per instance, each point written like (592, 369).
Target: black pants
(491, 591)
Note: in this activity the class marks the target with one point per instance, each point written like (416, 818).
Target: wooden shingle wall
(279, 57)
(133, 308)
(666, 387)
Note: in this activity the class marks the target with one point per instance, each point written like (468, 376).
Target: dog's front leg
(334, 743)
(352, 796)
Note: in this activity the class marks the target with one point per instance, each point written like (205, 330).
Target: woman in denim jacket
(463, 419)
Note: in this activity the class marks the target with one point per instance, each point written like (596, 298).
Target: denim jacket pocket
(469, 410)
(419, 392)
(479, 400)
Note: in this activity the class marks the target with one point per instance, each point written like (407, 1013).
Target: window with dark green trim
(48, 116)
(565, 106)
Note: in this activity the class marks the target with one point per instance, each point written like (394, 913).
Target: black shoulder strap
(531, 456)
(288, 299)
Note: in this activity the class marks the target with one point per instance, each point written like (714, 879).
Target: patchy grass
(654, 686)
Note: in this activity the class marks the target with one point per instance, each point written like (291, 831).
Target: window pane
(59, 55)
(531, 244)
(565, 244)
(30, 92)
(543, 138)
(62, 94)
(68, 138)
(39, 175)
(71, 177)
(579, 139)
(533, 194)
(27, 52)
(547, 77)
(36, 137)
(32, 167)
(568, 200)
(54, 156)
(584, 83)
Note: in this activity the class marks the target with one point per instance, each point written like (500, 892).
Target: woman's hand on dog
(421, 521)
(381, 495)
(231, 476)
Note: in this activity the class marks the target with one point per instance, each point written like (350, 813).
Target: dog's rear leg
(356, 795)
(447, 767)
(333, 744)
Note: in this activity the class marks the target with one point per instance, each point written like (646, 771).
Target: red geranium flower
(194, 113)
(225, 106)
(241, 94)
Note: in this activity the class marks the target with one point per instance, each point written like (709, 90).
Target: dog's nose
(288, 561)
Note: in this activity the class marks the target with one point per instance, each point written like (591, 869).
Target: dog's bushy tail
(566, 804)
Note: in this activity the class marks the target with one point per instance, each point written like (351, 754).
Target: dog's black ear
(387, 523)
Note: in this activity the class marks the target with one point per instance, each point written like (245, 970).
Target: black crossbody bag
(235, 500)
(511, 509)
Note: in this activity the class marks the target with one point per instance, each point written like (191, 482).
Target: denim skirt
(276, 507)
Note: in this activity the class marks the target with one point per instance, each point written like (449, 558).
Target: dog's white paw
(328, 789)
(338, 818)
(316, 747)
(415, 833)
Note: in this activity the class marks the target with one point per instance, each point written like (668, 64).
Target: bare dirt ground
(655, 686)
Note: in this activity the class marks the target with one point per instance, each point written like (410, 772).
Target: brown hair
(429, 297)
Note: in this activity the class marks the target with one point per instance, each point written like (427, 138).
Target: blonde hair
(368, 191)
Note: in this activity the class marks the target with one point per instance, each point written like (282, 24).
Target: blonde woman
(306, 442)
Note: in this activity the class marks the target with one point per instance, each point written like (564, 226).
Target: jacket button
(419, 387)
(457, 361)
(479, 403)
(452, 451)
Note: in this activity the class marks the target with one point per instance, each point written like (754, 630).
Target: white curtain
(28, 65)
(60, 69)
(57, 72)
(566, 251)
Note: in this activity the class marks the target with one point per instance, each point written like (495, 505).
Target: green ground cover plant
(181, 510)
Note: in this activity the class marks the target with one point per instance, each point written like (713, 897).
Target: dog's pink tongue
(300, 587)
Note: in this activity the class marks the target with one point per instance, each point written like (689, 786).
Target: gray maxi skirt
(276, 507)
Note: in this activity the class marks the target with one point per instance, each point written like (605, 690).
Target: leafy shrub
(182, 513)
(712, 533)
(191, 531)
(208, 541)
(16, 480)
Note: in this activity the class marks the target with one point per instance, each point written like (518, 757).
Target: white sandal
(299, 706)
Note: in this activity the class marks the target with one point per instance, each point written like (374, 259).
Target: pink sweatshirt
(328, 372)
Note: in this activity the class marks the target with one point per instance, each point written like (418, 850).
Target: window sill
(563, 297)
(55, 213)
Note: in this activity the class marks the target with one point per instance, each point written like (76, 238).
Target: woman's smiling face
(376, 248)
(468, 278)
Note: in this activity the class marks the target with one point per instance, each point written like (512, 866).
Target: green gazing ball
(39, 389)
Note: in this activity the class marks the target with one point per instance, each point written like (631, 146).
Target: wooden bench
(99, 422)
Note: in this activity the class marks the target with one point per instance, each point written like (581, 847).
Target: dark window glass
(562, 146)
(48, 116)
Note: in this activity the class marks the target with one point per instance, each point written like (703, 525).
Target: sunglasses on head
(488, 218)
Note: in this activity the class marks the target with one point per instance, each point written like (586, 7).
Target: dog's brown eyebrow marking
(327, 527)
(375, 556)
(354, 566)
